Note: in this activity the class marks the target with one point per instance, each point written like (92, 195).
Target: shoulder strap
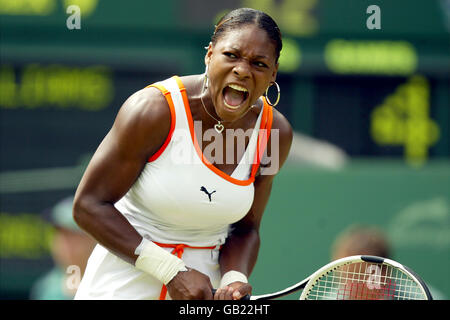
(172, 119)
(263, 136)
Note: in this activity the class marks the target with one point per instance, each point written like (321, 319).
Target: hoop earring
(278, 97)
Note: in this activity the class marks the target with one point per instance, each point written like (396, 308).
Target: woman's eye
(230, 55)
(261, 64)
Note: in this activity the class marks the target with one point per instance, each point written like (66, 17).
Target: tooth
(237, 87)
(231, 107)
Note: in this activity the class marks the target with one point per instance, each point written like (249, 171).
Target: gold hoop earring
(278, 96)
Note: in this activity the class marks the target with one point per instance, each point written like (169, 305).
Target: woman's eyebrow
(235, 49)
(261, 57)
(255, 57)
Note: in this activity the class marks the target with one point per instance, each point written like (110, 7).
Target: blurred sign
(24, 236)
(371, 57)
(38, 86)
(383, 117)
(403, 119)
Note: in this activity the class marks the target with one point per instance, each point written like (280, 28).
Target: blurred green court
(310, 207)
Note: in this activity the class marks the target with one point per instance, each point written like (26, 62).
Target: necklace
(218, 126)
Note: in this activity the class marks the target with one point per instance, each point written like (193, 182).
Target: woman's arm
(139, 130)
(241, 248)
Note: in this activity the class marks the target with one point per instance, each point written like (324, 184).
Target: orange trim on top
(172, 121)
(197, 147)
(263, 136)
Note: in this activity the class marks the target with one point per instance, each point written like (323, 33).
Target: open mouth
(234, 96)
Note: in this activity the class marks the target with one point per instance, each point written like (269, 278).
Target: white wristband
(232, 276)
(158, 262)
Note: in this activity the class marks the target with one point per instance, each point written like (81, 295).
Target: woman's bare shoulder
(144, 120)
(145, 105)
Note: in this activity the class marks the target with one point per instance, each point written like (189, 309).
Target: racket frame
(308, 282)
(362, 258)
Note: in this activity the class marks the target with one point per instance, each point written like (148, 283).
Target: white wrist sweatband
(232, 276)
(158, 262)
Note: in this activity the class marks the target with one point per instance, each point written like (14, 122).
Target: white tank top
(179, 196)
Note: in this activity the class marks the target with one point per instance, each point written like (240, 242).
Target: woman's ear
(208, 53)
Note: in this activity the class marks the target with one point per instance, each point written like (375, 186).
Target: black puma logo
(206, 191)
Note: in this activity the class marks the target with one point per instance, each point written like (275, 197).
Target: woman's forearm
(108, 226)
(240, 251)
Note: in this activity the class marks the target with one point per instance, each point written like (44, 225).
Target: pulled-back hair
(244, 16)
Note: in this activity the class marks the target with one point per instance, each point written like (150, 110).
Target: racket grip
(245, 298)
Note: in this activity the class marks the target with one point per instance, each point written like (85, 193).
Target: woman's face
(241, 65)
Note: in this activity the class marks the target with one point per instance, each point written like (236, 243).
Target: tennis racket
(358, 278)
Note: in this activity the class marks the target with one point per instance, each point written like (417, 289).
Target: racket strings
(365, 281)
(358, 290)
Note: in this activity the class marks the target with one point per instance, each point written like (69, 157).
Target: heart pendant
(218, 127)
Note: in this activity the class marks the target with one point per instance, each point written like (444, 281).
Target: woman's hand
(190, 285)
(234, 291)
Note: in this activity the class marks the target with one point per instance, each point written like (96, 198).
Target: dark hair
(239, 17)
(361, 239)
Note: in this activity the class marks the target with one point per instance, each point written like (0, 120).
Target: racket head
(365, 278)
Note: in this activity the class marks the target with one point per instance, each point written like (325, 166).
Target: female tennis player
(175, 212)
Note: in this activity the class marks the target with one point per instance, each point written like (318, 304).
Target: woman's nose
(242, 69)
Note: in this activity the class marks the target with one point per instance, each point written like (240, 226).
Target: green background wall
(60, 90)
